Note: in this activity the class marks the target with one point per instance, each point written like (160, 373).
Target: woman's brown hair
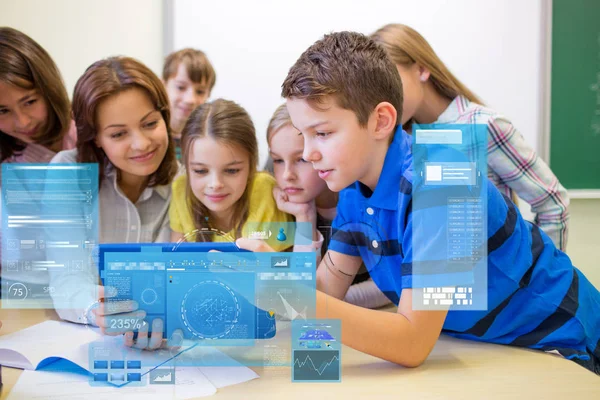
(25, 64)
(106, 78)
(226, 122)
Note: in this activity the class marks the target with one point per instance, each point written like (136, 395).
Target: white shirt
(121, 221)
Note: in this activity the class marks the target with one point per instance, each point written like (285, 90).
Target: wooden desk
(456, 369)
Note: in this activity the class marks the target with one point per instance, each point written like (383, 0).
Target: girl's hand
(304, 212)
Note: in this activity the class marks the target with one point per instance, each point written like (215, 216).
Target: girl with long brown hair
(35, 112)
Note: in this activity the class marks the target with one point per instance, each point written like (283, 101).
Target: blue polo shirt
(536, 297)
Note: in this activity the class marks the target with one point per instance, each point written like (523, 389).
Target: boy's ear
(385, 115)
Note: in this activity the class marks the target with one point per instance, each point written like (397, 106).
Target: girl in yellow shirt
(222, 196)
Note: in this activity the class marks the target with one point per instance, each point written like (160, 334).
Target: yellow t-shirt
(262, 212)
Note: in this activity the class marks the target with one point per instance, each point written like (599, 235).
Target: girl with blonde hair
(432, 94)
(222, 194)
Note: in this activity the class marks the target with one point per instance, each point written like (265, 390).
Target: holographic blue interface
(316, 346)
(449, 218)
(49, 225)
(224, 298)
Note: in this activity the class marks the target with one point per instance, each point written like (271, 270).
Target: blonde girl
(221, 196)
(432, 94)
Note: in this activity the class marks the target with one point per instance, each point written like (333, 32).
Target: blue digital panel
(49, 228)
(110, 362)
(226, 298)
(212, 305)
(134, 377)
(316, 351)
(449, 217)
(118, 364)
(134, 364)
(100, 364)
(316, 334)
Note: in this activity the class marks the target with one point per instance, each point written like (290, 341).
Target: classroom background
(252, 44)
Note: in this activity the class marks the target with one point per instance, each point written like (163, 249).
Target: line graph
(316, 365)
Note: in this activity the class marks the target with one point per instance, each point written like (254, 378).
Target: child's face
(23, 112)
(294, 175)
(132, 133)
(218, 174)
(184, 96)
(336, 145)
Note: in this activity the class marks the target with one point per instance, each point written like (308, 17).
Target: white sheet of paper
(58, 386)
(48, 339)
(71, 342)
(219, 368)
(190, 382)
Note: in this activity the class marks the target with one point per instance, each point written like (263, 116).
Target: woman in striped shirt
(432, 94)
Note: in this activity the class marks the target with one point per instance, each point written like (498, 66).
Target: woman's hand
(117, 317)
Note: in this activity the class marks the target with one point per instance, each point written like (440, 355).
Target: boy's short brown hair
(198, 68)
(352, 68)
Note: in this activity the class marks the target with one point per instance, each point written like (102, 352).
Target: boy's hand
(304, 212)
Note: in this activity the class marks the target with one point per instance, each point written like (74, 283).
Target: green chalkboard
(575, 98)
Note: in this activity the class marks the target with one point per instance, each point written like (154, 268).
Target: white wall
(495, 46)
(252, 48)
(78, 32)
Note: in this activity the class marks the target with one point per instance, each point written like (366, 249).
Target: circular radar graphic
(149, 296)
(210, 310)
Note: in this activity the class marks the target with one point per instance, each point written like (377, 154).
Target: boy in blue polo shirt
(345, 96)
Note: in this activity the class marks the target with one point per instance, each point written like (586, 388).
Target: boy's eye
(181, 88)
(232, 171)
(302, 160)
(277, 161)
(323, 134)
(200, 171)
(200, 92)
(3, 111)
